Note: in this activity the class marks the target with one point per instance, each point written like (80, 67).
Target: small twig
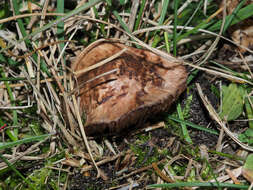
(99, 64)
(109, 159)
(37, 49)
(219, 142)
(140, 170)
(160, 174)
(29, 158)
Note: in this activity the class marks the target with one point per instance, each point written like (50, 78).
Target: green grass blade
(192, 76)
(242, 14)
(198, 184)
(167, 44)
(13, 79)
(235, 11)
(60, 25)
(175, 28)
(13, 134)
(122, 23)
(183, 125)
(192, 16)
(157, 38)
(202, 25)
(137, 23)
(20, 22)
(164, 11)
(25, 38)
(234, 157)
(22, 141)
(194, 125)
(223, 67)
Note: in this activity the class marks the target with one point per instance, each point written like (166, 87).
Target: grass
(42, 144)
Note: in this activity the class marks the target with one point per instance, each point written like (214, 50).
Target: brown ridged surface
(144, 85)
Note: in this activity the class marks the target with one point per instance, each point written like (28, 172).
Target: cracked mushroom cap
(127, 90)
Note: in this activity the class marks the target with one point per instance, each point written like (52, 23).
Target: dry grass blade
(83, 132)
(28, 151)
(161, 174)
(214, 44)
(70, 139)
(220, 74)
(134, 9)
(110, 159)
(216, 117)
(99, 64)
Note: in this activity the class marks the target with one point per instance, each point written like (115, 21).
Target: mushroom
(127, 90)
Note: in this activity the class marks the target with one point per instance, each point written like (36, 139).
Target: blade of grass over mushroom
(55, 22)
(13, 134)
(22, 141)
(16, 171)
(193, 125)
(198, 184)
(183, 125)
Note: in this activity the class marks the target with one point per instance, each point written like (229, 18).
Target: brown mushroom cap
(143, 85)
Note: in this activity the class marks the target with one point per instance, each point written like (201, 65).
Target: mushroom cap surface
(142, 85)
